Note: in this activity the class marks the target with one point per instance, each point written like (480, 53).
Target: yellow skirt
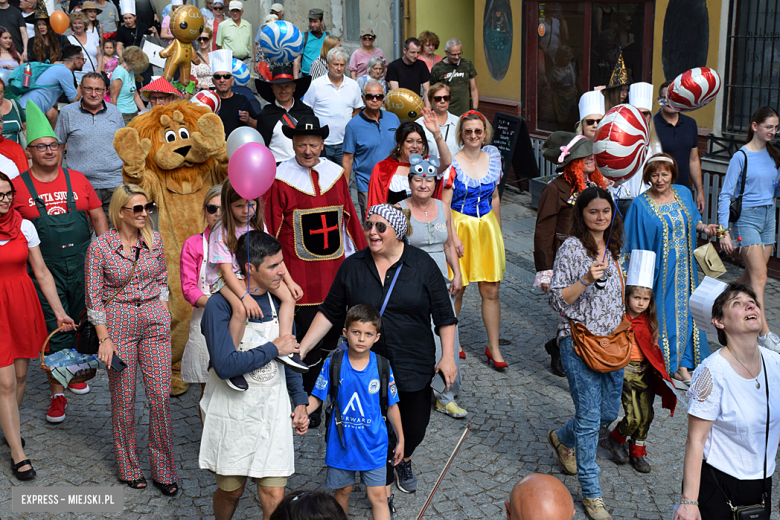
(484, 259)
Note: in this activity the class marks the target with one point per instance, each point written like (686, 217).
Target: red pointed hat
(159, 85)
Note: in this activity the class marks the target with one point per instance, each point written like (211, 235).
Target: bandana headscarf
(393, 215)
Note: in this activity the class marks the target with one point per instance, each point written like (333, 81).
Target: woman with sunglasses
(192, 269)
(591, 107)
(202, 71)
(218, 10)
(439, 98)
(128, 263)
(19, 304)
(358, 62)
(417, 296)
(471, 190)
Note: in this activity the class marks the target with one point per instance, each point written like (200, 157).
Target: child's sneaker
(238, 383)
(391, 506)
(294, 362)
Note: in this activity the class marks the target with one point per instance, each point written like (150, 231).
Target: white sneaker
(770, 341)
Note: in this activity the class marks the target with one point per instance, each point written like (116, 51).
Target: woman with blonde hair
(87, 40)
(319, 67)
(127, 266)
(124, 93)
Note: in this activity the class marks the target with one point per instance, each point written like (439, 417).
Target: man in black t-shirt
(408, 72)
(11, 18)
(236, 110)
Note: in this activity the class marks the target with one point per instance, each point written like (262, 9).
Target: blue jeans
(334, 153)
(596, 399)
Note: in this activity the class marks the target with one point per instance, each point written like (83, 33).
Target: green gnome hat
(37, 124)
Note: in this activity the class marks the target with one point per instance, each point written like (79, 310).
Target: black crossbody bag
(735, 208)
(755, 511)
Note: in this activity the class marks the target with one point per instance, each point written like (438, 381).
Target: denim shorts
(341, 478)
(756, 226)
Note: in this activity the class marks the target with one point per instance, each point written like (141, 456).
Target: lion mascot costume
(175, 152)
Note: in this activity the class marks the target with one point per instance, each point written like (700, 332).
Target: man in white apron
(250, 434)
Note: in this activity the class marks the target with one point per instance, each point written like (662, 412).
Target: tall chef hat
(127, 7)
(221, 61)
(177, 2)
(641, 95)
(591, 103)
(701, 302)
(641, 269)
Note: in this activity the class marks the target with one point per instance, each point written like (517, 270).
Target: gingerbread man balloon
(186, 25)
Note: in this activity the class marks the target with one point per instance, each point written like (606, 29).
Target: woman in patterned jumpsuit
(136, 326)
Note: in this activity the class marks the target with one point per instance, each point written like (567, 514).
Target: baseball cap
(236, 4)
(316, 14)
(277, 8)
(368, 31)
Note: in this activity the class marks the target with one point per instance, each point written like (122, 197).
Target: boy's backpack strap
(384, 379)
(336, 359)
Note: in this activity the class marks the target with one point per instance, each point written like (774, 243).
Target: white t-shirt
(89, 51)
(8, 167)
(29, 232)
(448, 132)
(736, 441)
(333, 106)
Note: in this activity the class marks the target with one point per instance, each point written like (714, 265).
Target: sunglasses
(589, 122)
(377, 97)
(212, 208)
(217, 7)
(139, 208)
(381, 227)
(477, 131)
(222, 76)
(439, 99)
(368, 37)
(203, 39)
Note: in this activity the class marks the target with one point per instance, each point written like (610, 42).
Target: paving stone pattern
(511, 413)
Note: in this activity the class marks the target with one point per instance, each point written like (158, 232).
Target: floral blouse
(107, 269)
(600, 310)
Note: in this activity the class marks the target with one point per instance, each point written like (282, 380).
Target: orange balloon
(59, 21)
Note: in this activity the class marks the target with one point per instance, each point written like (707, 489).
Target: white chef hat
(221, 61)
(701, 302)
(177, 2)
(127, 6)
(641, 269)
(641, 95)
(591, 103)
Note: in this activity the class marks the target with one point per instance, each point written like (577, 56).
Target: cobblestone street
(511, 413)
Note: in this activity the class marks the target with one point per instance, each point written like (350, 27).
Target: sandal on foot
(167, 489)
(139, 483)
(28, 474)
(5, 440)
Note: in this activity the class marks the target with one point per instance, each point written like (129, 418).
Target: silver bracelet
(685, 501)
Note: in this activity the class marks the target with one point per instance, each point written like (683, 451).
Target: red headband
(477, 114)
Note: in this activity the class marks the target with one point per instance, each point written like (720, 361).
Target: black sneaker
(294, 362)
(391, 507)
(405, 479)
(556, 366)
(238, 383)
(315, 418)
(640, 464)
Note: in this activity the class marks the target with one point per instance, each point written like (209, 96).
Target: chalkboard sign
(510, 136)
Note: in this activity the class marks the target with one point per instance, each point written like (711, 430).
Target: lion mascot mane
(175, 152)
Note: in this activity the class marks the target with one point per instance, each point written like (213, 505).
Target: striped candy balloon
(620, 143)
(240, 73)
(281, 41)
(208, 99)
(693, 89)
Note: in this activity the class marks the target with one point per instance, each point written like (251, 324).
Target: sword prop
(444, 471)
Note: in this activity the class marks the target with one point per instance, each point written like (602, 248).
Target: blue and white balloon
(240, 72)
(281, 41)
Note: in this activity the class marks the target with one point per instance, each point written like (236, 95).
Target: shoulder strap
(390, 291)
(744, 174)
(39, 204)
(129, 278)
(305, 38)
(335, 375)
(766, 438)
(384, 382)
(71, 197)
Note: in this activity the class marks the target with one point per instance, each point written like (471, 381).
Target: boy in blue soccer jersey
(357, 435)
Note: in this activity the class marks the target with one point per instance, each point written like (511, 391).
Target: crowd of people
(300, 299)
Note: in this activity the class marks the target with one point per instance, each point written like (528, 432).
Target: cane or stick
(444, 471)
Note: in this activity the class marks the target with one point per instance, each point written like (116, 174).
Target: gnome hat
(37, 124)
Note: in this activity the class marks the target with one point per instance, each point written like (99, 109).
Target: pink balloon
(252, 170)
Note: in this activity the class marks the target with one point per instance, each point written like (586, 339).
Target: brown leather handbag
(605, 353)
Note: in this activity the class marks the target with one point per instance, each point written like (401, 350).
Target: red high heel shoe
(497, 365)
(462, 354)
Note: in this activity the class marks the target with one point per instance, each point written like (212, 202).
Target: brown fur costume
(175, 152)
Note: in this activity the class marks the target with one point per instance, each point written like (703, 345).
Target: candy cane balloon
(693, 89)
(620, 143)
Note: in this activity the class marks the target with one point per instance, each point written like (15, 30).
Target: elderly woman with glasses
(360, 59)
(374, 70)
(439, 99)
(127, 264)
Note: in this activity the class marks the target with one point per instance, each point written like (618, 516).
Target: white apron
(249, 433)
(195, 360)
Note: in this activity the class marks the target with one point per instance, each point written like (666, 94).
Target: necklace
(758, 385)
(419, 208)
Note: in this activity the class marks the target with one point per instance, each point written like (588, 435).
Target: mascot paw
(131, 149)
(178, 387)
(211, 137)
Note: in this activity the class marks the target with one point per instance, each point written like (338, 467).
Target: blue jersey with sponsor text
(365, 433)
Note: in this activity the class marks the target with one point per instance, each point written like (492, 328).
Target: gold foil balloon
(404, 103)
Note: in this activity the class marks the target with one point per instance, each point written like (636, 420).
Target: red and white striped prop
(620, 143)
(208, 99)
(693, 89)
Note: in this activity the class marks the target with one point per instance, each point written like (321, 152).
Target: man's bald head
(538, 497)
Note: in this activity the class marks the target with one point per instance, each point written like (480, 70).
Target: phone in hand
(438, 383)
(117, 363)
